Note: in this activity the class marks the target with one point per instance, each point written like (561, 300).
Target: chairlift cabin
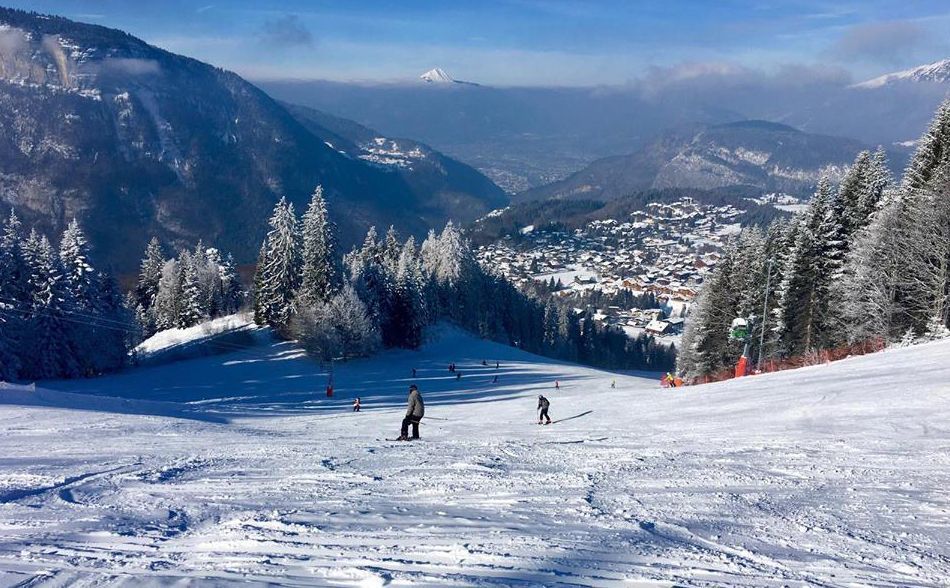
(739, 329)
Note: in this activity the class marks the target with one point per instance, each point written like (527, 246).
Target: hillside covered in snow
(237, 467)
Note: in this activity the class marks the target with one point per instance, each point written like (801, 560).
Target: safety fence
(778, 364)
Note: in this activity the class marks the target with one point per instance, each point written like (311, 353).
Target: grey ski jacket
(417, 408)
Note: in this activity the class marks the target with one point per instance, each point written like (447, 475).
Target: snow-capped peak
(938, 72)
(437, 76)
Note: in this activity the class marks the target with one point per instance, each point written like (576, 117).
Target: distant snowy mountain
(437, 76)
(937, 72)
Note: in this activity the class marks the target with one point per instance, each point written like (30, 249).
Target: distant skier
(613, 383)
(458, 375)
(557, 385)
(485, 363)
(543, 406)
(497, 365)
(356, 404)
(494, 380)
(414, 412)
(413, 373)
(670, 380)
(329, 390)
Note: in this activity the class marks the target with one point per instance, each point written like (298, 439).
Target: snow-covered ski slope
(238, 469)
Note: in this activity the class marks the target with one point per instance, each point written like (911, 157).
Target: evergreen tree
(318, 274)
(807, 279)
(51, 344)
(190, 311)
(150, 273)
(13, 300)
(278, 270)
(357, 333)
(165, 312)
(79, 277)
(932, 153)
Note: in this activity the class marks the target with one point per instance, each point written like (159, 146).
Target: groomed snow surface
(236, 467)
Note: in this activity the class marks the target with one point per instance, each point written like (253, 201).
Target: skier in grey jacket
(414, 413)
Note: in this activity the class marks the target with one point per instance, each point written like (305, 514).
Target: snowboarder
(414, 412)
(356, 404)
(543, 406)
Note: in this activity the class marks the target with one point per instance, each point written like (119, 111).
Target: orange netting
(787, 363)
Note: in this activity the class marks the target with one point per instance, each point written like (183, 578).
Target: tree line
(386, 292)
(868, 260)
(60, 317)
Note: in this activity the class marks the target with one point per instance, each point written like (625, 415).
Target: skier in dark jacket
(414, 412)
(543, 406)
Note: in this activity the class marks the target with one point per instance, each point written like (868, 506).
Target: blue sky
(527, 42)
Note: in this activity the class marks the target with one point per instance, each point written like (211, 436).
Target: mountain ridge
(136, 141)
(760, 154)
(937, 72)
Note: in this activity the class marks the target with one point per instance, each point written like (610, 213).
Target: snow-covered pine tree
(101, 322)
(357, 332)
(706, 347)
(313, 326)
(807, 279)
(190, 307)
(150, 273)
(79, 277)
(164, 313)
(913, 243)
(115, 331)
(933, 152)
(319, 272)
(13, 300)
(232, 295)
(50, 345)
(207, 262)
(550, 329)
(877, 185)
(863, 289)
(408, 308)
(278, 270)
(391, 249)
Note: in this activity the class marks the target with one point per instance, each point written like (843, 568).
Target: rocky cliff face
(136, 141)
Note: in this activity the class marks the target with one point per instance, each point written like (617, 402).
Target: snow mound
(163, 340)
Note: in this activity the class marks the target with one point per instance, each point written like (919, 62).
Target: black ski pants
(410, 420)
(544, 415)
